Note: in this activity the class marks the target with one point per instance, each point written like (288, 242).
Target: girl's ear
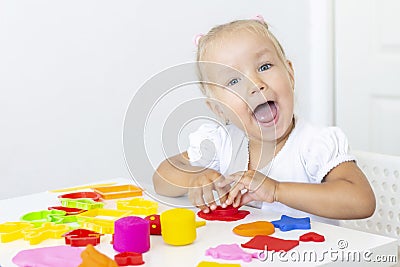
(216, 108)
(290, 71)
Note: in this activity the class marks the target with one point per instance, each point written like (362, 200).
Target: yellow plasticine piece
(46, 231)
(81, 203)
(216, 264)
(102, 215)
(99, 226)
(138, 206)
(11, 231)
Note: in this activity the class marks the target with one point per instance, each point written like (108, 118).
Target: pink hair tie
(259, 18)
(196, 38)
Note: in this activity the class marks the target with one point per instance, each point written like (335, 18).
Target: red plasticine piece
(82, 237)
(312, 236)
(129, 258)
(69, 211)
(270, 243)
(224, 214)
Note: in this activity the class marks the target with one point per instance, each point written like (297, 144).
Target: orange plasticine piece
(254, 228)
(91, 257)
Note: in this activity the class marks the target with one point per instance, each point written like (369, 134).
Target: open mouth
(266, 113)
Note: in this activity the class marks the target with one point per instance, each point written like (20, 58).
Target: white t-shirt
(307, 156)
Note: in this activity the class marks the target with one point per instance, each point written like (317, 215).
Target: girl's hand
(201, 188)
(259, 187)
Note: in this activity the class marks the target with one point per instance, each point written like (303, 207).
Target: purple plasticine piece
(230, 252)
(131, 233)
(287, 223)
(64, 256)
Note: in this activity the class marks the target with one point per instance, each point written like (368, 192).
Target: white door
(368, 73)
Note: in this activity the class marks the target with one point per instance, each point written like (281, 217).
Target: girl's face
(254, 88)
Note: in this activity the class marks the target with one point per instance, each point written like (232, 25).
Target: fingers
(209, 197)
(223, 194)
(196, 197)
(236, 201)
(246, 198)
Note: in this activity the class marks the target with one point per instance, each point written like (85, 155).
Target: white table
(211, 235)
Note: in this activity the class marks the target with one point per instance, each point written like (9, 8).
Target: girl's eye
(265, 67)
(233, 82)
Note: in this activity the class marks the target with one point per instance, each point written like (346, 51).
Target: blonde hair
(252, 25)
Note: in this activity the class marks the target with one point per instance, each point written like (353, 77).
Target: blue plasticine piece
(287, 223)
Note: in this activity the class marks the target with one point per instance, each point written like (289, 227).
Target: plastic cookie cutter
(69, 211)
(138, 206)
(82, 237)
(216, 264)
(103, 215)
(46, 231)
(230, 252)
(11, 231)
(118, 191)
(129, 258)
(99, 226)
(81, 203)
(90, 195)
(37, 218)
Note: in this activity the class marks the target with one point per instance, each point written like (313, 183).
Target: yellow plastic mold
(138, 206)
(118, 191)
(46, 231)
(101, 227)
(81, 203)
(102, 215)
(11, 231)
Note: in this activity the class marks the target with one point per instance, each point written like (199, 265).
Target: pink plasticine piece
(64, 256)
(230, 252)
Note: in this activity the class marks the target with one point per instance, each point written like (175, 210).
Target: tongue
(265, 112)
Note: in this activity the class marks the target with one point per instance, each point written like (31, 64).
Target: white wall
(68, 70)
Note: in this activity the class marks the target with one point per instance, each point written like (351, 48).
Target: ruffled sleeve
(204, 145)
(323, 152)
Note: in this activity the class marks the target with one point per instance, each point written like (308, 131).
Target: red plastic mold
(129, 258)
(92, 195)
(82, 238)
(69, 211)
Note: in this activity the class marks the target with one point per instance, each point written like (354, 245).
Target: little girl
(265, 151)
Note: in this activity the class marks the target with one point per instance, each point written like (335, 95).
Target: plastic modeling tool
(138, 206)
(224, 214)
(118, 191)
(82, 237)
(103, 215)
(81, 203)
(129, 258)
(68, 211)
(216, 264)
(230, 252)
(155, 224)
(11, 231)
(90, 195)
(46, 231)
(37, 218)
(99, 226)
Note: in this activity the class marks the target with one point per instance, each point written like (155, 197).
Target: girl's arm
(344, 193)
(176, 176)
